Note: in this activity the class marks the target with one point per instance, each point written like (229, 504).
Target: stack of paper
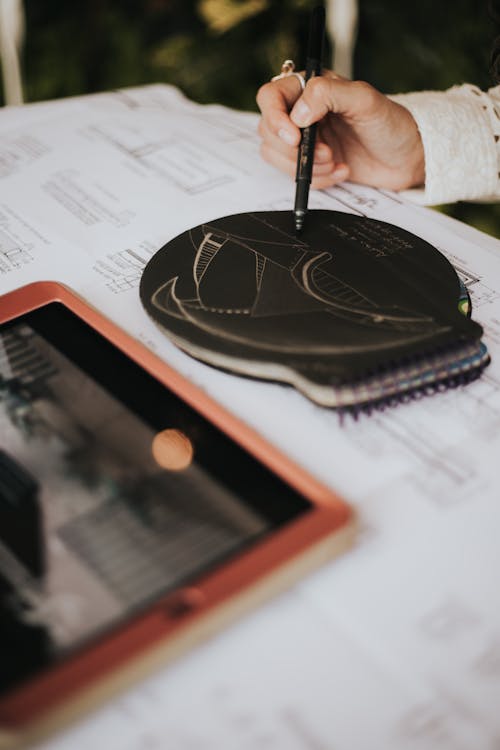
(395, 645)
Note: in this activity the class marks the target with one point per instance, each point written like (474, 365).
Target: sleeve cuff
(459, 145)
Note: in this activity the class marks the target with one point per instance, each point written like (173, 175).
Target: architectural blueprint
(397, 643)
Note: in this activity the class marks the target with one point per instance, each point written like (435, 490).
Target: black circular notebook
(352, 311)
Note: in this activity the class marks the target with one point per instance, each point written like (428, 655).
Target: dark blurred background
(222, 50)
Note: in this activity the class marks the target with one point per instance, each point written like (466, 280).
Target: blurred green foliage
(425, 45)
(222, 50)
(431, 45)
(75, 48)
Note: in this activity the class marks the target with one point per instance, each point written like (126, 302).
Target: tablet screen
(113, 491)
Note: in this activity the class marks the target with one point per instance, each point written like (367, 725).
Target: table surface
(396, 643)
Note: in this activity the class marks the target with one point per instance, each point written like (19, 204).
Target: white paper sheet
(397, 644)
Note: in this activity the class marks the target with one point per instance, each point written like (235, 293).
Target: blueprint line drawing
(403, 630)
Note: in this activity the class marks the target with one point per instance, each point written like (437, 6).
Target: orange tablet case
(187, 616)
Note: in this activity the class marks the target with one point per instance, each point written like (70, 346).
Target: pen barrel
(301, 197)
(305, 156)
(313, 68)
(316, 34)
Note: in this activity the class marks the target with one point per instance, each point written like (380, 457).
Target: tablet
(137, 516)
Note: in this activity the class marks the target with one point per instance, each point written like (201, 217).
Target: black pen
(305, 156)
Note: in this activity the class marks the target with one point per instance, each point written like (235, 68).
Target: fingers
(322, 152)
(277, 98)
(355, 100)
(326, 172)
(287, 160)
(275, 101)
(281, 136)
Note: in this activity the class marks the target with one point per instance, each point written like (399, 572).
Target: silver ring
(287, 70)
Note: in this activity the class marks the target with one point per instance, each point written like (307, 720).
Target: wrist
(412, 149)
(417, 172)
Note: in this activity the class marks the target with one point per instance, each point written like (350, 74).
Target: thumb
(329, 93)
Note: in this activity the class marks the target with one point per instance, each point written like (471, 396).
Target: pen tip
(299, 223)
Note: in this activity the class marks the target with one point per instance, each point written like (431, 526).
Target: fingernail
(300, 114)
(287, 136)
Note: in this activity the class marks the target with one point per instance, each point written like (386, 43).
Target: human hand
(362, 135)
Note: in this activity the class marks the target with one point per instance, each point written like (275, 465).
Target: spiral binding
(411, 381)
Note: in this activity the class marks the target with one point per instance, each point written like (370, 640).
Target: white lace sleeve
(460, 131)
